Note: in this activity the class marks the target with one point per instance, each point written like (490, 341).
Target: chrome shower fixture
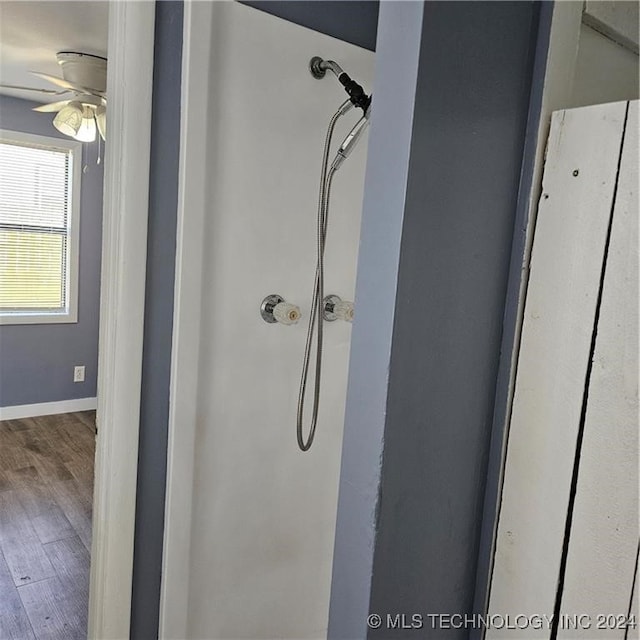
(318, 67)
(351, 140)
(335, 308)
(357, 95)
(274, 309)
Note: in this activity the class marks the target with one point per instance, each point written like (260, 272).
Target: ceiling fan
(84, 111)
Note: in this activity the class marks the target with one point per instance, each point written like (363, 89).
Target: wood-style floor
(46, 490)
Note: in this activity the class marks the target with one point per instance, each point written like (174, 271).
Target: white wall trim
(126, 190)
(47, 408)
(192, 190)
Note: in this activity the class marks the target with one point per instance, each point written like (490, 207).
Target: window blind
(35, 209)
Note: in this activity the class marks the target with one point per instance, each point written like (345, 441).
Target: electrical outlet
(78, 374)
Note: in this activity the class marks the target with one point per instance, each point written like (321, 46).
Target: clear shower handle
(344, 310)
(286, 313)
(275, 308)
(335, 308)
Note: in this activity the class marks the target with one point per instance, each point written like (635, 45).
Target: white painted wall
(604, 533)
(619, 20)
(605, 71)
(581, 183)
(264, 512)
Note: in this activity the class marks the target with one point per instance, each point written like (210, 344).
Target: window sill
(37, 317)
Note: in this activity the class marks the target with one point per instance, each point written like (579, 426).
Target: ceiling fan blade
(53, 106)
(51, 92)
(65, 84)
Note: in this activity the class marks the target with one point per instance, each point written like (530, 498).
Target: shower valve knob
(274, 308)
(337, 309)
(286, 313)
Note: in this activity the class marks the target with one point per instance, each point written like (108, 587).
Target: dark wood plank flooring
(46, 489)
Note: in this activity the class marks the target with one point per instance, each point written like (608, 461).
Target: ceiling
(31, 33)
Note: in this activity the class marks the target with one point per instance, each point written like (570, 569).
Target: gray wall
(158, 322)
(36, 361)
(353, 21)
(415, 453)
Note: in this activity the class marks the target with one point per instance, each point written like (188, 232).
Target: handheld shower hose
(316, 317)
(358, 98)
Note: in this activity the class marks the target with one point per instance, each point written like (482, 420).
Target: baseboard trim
(47, 408)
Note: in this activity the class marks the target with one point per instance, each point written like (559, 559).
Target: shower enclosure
(250, 518)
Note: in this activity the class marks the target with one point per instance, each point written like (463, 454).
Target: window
(39, 222)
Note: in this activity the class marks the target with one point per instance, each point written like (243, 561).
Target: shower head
(351, 140)
(358, 97)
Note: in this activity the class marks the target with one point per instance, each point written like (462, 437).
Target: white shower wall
(264, 512)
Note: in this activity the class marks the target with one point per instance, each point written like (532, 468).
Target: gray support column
(430, 309)
(397, 50)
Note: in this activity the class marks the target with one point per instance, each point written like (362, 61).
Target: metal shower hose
(316, 317)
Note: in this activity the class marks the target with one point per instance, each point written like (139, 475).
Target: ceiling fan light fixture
(87, 129)
(84, 69)
(83, 115)
(101, 121)
(69, 119)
